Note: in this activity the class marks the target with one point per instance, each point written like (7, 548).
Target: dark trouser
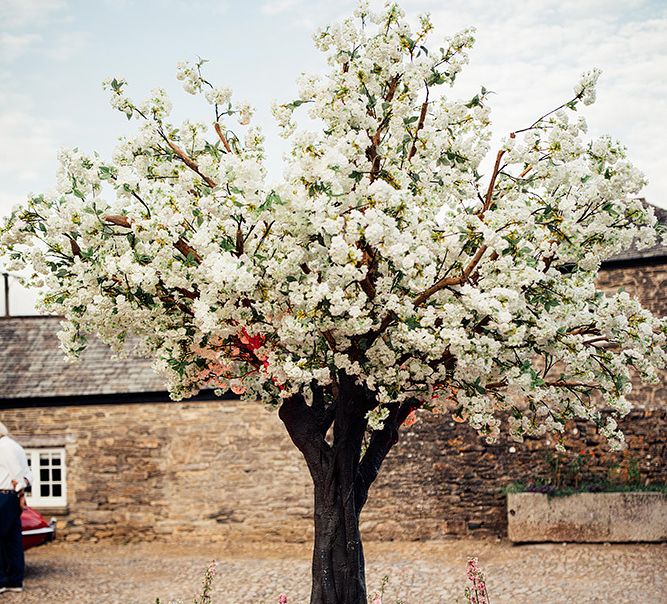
(12, 563)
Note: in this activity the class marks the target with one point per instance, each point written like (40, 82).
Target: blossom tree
(384, 276)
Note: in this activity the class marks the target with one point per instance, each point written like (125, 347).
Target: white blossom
(382, 253)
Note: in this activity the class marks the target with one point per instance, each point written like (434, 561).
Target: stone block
(587, 517)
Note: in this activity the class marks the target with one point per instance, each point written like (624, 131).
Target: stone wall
(225, 469)
(443, 479)
(649, 284)
(216, 470)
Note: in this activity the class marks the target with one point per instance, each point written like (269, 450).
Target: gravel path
(420, 573)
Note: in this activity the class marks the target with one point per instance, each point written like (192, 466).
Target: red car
(36, 530)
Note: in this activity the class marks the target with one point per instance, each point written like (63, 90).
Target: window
(49, 484)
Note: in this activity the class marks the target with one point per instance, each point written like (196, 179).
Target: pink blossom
(476, 593)
(236, 387)
(409, 421)
(252, 342)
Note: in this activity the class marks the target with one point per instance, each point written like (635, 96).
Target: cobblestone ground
(420, 573)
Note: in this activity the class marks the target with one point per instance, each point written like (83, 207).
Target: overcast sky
(55, 53)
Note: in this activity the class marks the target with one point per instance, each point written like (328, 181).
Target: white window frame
(33, 498)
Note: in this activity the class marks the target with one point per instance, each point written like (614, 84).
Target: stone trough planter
(587, 517)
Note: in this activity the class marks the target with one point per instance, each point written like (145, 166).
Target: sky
(54, 55)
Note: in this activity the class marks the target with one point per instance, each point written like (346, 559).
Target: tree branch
(380, 444)
(187, 251)
(331, 341)
(369, 260)
(448, 281)
(239, 240)
(539, 119)
(303, 429)
(566, 384)
(181, 245)
(118, 220)
(420, 125)
(372, 152)
(467, 271)
(492, 183)
(222, 137)
(375, 334)
(189, 162)
(76, 250)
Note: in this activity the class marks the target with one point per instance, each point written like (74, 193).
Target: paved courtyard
(420, 573)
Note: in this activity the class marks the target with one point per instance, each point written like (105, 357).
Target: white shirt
(13, 465)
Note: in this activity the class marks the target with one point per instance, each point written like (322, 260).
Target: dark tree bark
(341, 480)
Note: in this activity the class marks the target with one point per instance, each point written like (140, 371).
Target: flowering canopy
(383, 253)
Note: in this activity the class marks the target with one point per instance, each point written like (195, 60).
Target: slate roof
(33, 366)
(652, 253)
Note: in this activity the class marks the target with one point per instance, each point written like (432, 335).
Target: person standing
(15, 476)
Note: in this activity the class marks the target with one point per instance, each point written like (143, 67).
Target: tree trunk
(338, 572)
(341, 479)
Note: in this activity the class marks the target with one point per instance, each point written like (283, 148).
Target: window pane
(48, 468)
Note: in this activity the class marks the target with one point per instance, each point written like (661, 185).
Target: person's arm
(28, 472)
(22, 502)
(16, 463)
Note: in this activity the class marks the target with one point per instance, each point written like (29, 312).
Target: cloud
(28, 146)
(29, 13)
(60, 47)
(64, 46)
(24, 27)
(12, 46)
(277, 7)
(533, 54)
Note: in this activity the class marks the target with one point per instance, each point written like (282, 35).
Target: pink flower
(212, 568)
(282, 599)
(252, 342)
(476, 593)
(236, 387)
(377, 599)
(407, 422)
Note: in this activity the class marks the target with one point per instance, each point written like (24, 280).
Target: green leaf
(227, 245)
(474, 102)
(413, 323)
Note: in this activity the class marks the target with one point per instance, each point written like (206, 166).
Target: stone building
(114, 458)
